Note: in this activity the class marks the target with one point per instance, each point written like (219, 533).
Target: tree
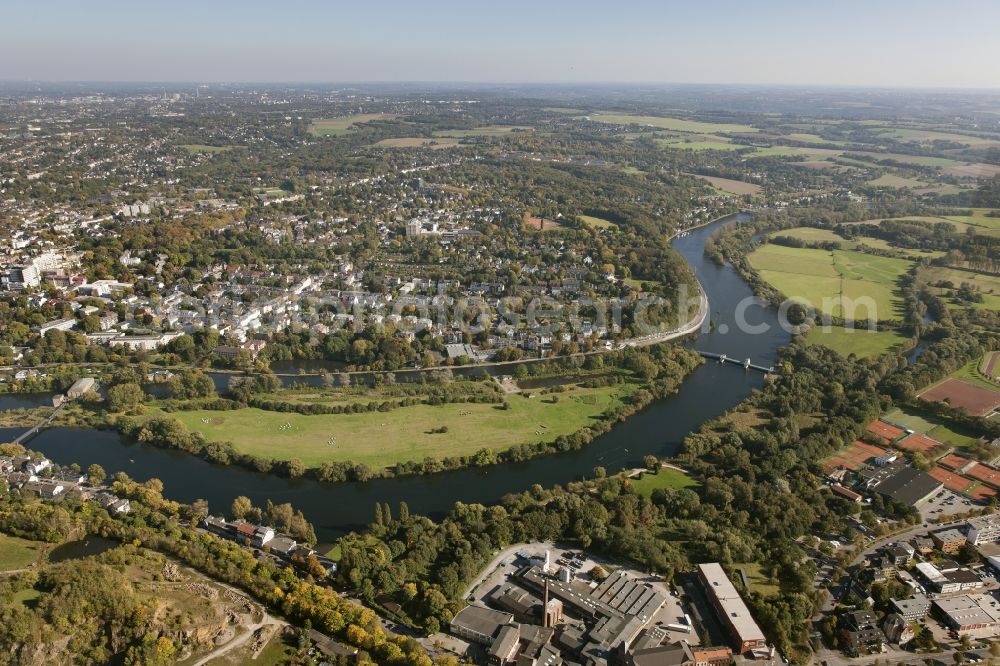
(241, 506)
(652, 463)
(96, 475)
(124, 397)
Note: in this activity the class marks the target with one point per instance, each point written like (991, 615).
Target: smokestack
(545, 607)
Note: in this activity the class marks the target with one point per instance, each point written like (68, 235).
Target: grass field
(979, 218)
(418, 142)
(929, 136)
(17, 553)
(892, 180)
(666, 478)
(597, 222)
(730, 185)
(674, 124)
(756, 580)
(825, 280)
(340, 126)
(490, 130)
(989, 286)
(812, 235)
(204, 148)
(381, 439)
(931, 427)
(860, 342)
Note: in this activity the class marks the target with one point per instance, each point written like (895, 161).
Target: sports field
(675, 124)
(340, 126)
(990, 365)
(930, 426)
(973, 399)
(829, 280)
(861, 342)
(381, 439)
(666, 478)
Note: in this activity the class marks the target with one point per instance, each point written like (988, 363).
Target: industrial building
(730, 608)
(969, 612)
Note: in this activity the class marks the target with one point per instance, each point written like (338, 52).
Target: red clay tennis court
(988, 475)
(953, 461)
(951, 481)
(885, 431)
(975, 400)
(918, 442)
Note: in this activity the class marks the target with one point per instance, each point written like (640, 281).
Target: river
(337, 508)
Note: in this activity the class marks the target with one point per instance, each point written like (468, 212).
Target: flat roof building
(969, 612)
(479, 624)
(730, 608)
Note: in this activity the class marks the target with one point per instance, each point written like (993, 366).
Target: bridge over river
(746, 363)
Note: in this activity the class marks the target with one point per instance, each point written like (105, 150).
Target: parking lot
(945, 504)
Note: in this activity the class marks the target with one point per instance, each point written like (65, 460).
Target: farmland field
(339, 126)
(861, 342)
(363, 437)
(730, 185)
(675, 124)
(822, 279)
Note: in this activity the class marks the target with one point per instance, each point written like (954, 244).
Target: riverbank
(337, 508)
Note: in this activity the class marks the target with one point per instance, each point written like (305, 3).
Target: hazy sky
(839, 42)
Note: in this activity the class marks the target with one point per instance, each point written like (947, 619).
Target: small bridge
(38, 428)
(747, 365)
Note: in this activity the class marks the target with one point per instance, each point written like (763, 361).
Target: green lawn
(826, 280)
(17, 553)
(666, 478)
(970, 373)
(860, 342)
(757, 581)
(381, 439)
(342, 125)
(597, 222)
(675, 124)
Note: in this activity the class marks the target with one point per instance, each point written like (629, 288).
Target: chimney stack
(545, 606)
